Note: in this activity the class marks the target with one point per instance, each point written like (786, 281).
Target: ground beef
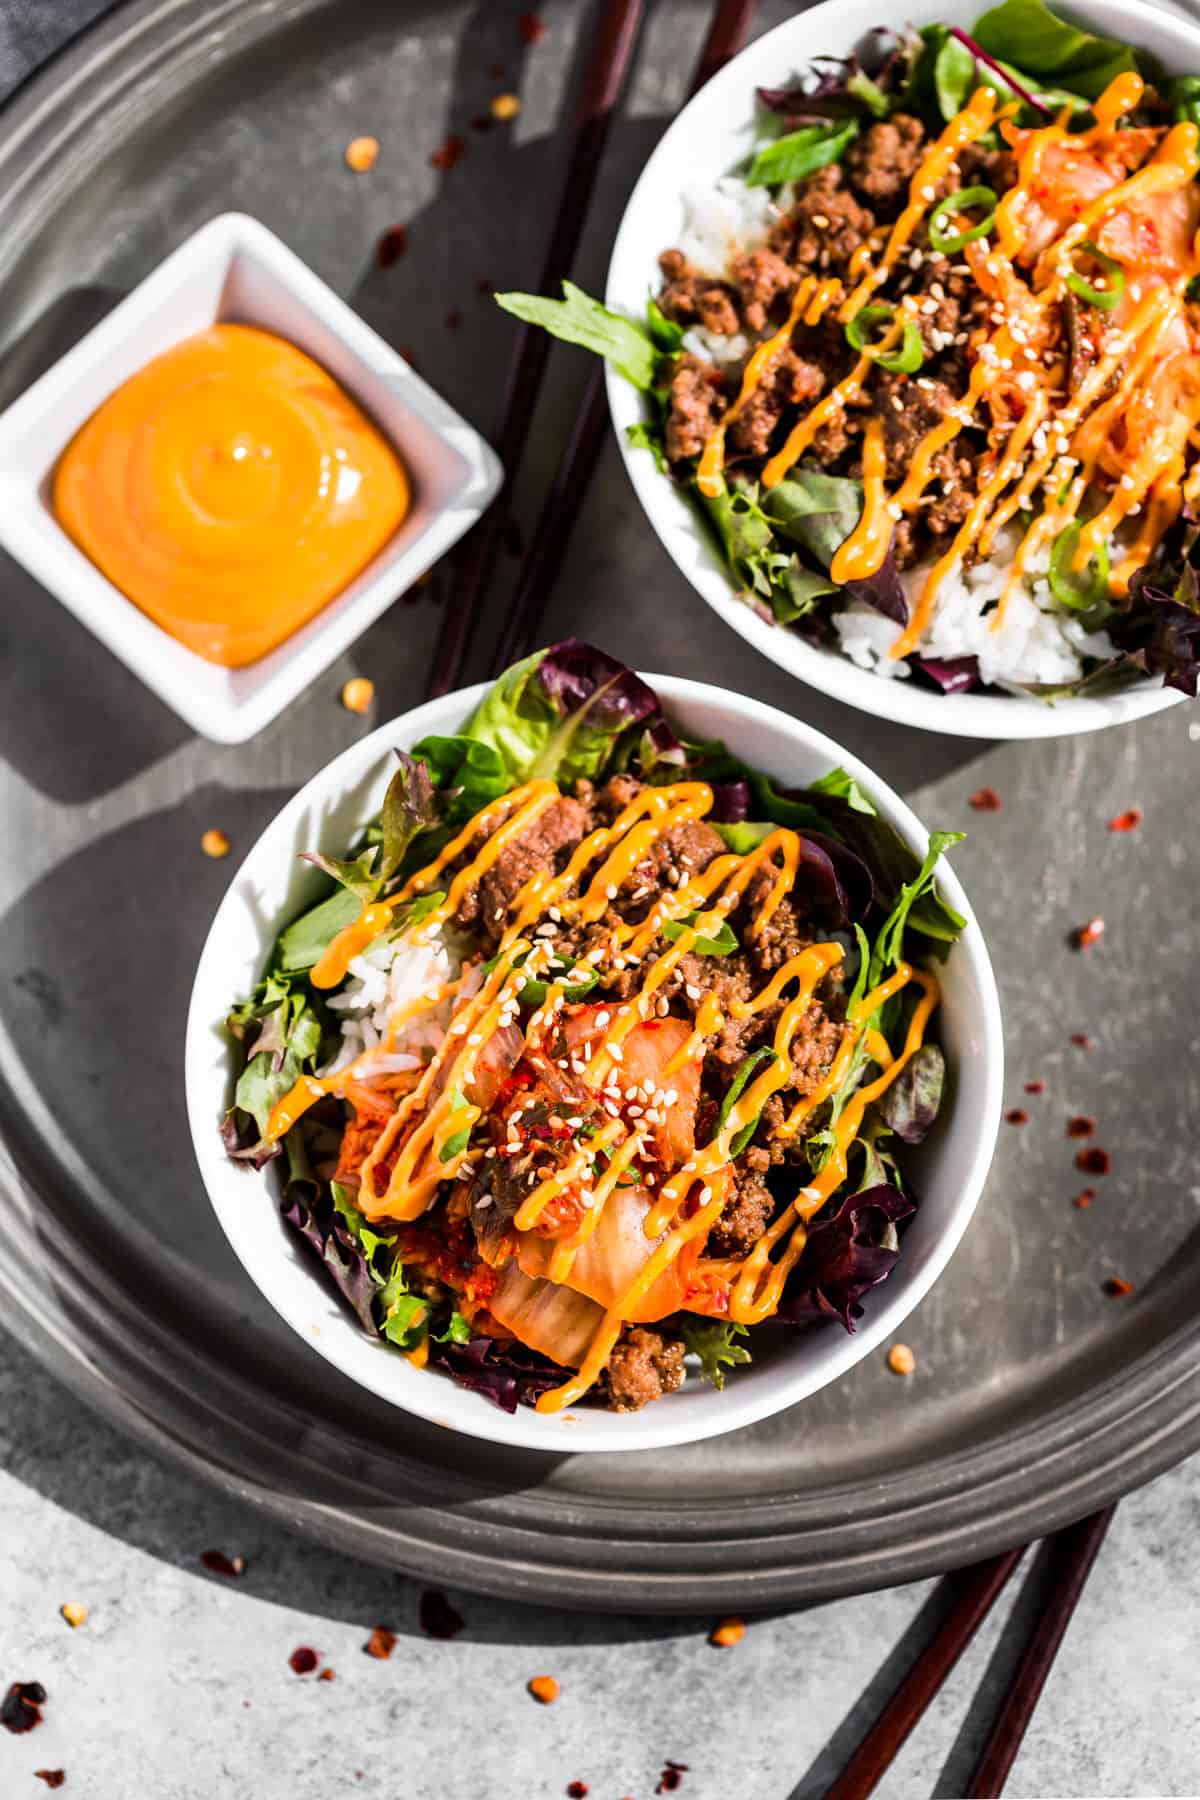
(760, 277)
(825, 227)
(672, 859)
(882, 164)
(787, 381)
(644, 1365)
(693, 299)
(554, 833)
(950, 308)
(745, 1217)
(784, 934)
(814, 1046)
(980, 167)
(697, 404)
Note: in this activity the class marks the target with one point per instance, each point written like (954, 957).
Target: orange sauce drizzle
(863, 551)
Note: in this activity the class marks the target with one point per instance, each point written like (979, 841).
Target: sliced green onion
(904, 361)
(947, 242)
(1104, 297)
(721, 943)
(534, 992)
(1077, 589)
(746, 1069)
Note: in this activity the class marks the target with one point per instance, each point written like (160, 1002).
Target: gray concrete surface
(178, 1685)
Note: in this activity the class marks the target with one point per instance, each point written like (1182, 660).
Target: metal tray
(1036, 1397)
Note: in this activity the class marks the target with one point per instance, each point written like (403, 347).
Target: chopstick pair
(1069, 1554)
(604, 77)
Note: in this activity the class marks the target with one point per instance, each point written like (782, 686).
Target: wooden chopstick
(575, 471)
(603, 80)
(981, 1586)
(1072, 1553)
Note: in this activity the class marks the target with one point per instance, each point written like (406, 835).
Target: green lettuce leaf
(1026, 34)
(801, 153)
(715, 1343)
(578, 319)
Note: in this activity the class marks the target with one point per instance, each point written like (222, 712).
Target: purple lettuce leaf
(1159, 629)
(850, 1249)
(837, 876)
(508, 1375)
(343, 1258)
(883, 592)
(953, 674)
(731, 802)
(910, 1106)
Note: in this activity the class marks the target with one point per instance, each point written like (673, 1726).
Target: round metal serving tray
(1036, 1397)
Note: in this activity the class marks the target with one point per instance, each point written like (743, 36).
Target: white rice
(1035, 642)
(725, 219)
(386, 977)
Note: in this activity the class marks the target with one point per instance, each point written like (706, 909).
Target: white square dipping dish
(234, 270)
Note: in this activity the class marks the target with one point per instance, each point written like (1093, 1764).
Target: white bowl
(233, 268)
(271, 887)
(711, 136)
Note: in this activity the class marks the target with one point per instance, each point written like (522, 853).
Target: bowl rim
(439, 1401)
(996, 716)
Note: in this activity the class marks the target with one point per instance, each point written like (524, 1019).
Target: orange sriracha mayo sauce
(230, 489)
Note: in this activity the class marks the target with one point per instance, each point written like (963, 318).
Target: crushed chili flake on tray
(544, 1689)
(362, 153)
(1084, 1198)
(53, 1778)
(1117, 1289)
(505, 106)
(21, 1707)
(391, 247)
(531, 28)
(1035, 1087)
(1094, 1161)
(215, 843)
(1082, 1125)
(577, 1790)
(381, 1643)
(1084, 936)
(482, 122)
(74, 1613)
(671, 1777)
(327, 1675)
(220, 1564)
(986, 800)
(438, 1618)
(900, 1360)
(1126, 821)
(453, 319)
(449, 151)
(1016, 1115)
(484, 285)
(727, 1632)
(1081, 1040)
(303, 1660)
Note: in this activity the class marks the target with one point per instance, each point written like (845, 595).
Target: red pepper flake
(1116, 1289)
(1126, 821)
(453, 319)
(52, 1777)
(482, 122)
(220, 1564)
(1081, 1040)
(544, 1688)
(438, 1618)
(986, 800)
(1017, 1116)
(450, 152)
(671, 1777)
(391, 246)
(484, 286)
(577, 1790)
(1084, 1199)
(380, 1644)
(1084, 936)
(1082, 1125)
(1094, 1161)
(531, 28)
(303, 1661)
(1035, 1087)
(21, 1707)
(327, 1675)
